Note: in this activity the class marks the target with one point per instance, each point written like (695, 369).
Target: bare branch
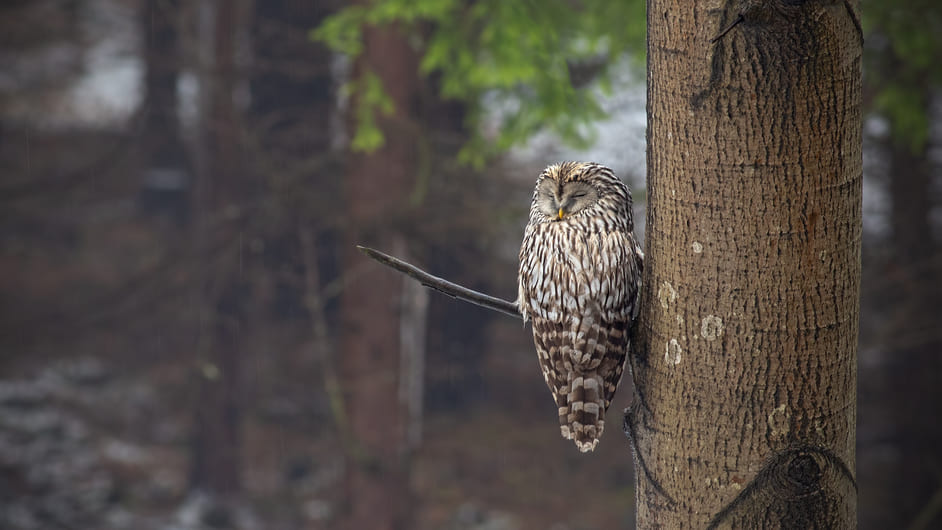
(443, 286)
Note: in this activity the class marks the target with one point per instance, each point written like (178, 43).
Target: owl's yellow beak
(561, 213)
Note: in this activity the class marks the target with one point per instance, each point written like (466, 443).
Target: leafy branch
(540, 63)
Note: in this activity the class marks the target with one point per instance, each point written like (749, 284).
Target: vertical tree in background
(377, 195)
(745, 367)
(902, 75)
(291, 82)
(913, 364)
(222, 196)
(165, 161)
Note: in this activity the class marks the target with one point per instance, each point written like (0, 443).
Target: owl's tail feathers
(582, 419)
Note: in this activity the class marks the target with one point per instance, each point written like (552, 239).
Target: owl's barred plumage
(579, 279)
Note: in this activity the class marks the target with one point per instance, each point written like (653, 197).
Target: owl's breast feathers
(567, 271)
(576, 284)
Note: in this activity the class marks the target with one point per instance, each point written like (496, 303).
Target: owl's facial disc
(558, 202)
(573, 197)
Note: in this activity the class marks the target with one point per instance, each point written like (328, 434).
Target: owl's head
(574, 189)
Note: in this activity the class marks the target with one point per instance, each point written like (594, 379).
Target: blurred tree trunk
(289, 125)
(745, 368)
(914, 364)
(377, 194)
(222, 195)
(165, 163)
(291, 82)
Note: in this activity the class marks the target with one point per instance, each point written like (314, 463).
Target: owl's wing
(614, 289)
(530, 275)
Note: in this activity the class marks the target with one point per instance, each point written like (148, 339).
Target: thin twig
(855, 19)
(727, 29)
(443, 286)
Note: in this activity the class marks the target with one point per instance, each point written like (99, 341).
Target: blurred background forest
(188, 338)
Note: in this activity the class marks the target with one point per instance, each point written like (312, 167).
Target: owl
(579, 279)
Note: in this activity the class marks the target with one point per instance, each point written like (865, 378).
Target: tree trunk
(745, 365)
(377, 193)
(165, 164)
(221, 195)
(291, 82)
(914, 365)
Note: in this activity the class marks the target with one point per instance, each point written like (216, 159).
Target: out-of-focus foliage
(535, 60)
(372, 99)
(904, 43)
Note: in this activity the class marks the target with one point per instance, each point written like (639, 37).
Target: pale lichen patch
(778, 420)
(711, 327)
(672, 352)
(666, 294)
(697, 247)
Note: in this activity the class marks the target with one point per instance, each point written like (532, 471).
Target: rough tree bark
(377, 192)
(745, 368)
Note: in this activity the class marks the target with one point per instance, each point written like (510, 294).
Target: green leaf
(342, 32)
(369, 98)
